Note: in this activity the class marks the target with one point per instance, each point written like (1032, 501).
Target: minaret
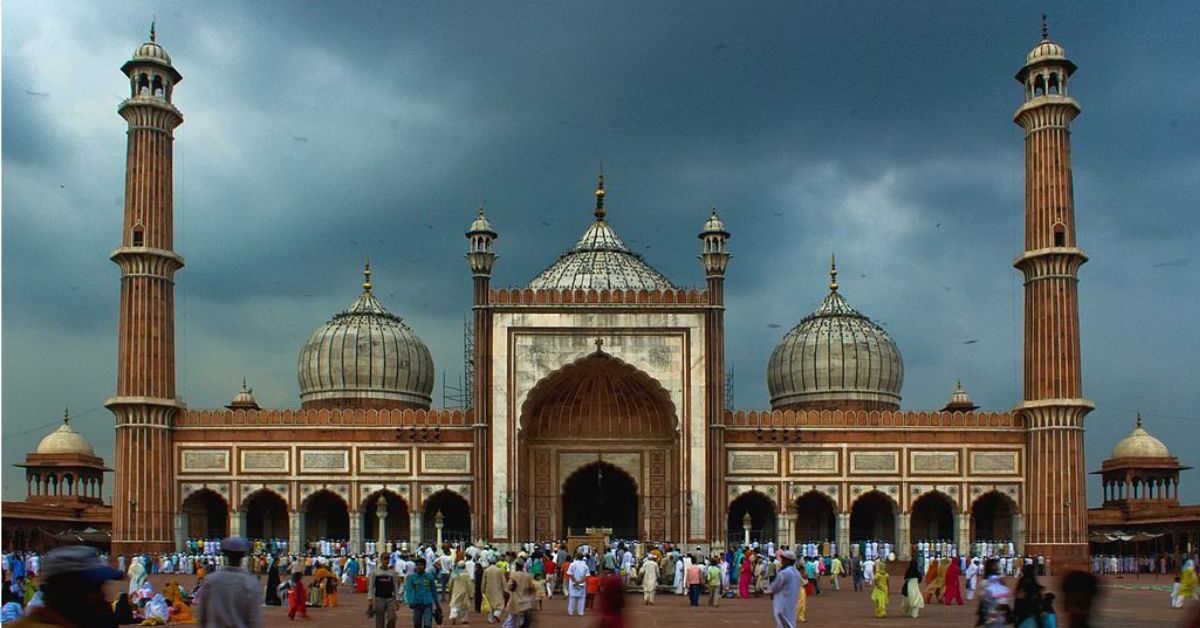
(1053, 406)
(715, 257)
(145, 404)
(481, 256)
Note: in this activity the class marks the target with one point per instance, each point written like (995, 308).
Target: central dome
(365, 357)
(600, 260)
(835, 359)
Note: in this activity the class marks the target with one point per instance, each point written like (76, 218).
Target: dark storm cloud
(317, 134)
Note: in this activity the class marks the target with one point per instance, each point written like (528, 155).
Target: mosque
(599, 399)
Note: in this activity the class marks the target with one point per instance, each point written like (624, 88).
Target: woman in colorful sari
(913, 600)
(880, 594)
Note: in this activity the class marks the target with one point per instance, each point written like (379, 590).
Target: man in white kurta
(649, 580)
(577, 575)
(785, 593)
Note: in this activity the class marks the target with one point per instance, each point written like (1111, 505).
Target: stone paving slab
(1128, 602)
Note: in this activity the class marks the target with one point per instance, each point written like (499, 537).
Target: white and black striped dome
(836, 358)
(365, 357)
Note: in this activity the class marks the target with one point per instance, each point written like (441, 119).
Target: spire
(1045, 28)
(833, 286)
(153, 30)
(367, 277)
(600, 213)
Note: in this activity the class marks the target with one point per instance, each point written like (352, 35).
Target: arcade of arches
(598, 431)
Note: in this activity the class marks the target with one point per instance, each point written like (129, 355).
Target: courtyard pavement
(1126, 602)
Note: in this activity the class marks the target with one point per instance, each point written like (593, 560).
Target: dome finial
(600, 213)
(153, 29)
(833, 286)
(367, 277)
(1045, 28)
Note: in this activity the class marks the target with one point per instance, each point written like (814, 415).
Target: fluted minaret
(145, 404)
(1053, 406)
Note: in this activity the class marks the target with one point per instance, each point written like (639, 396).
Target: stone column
(842, 533)
(903, 543)
(963, 534)
(181, 530)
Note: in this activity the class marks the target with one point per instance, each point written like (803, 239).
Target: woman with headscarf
(462, 593)
(913, 601)
(137, 575)
(953, 586)
(1027, 599)
(272, 593)
(123, 610)
(879, 593)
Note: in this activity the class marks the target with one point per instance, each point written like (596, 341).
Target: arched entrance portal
(873, 518)
(266, 516)
(326, 518)
(395, 518)
(600, 496)
(932, 518)
(207, 515)
(816, 519)
(456, 517)
(762, 519)
(992, 518)
(598, 428)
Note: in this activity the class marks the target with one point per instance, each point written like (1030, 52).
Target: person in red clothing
(298, 600)
(592, 584)
(612, 600)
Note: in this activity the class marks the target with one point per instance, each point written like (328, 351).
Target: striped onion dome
(365, 357)
(600, 260)
(836, 358)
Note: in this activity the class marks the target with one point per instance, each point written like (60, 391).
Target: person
(649, 581)
(695, 581)
(462, 592)
(972, 575)
(123, 610)
(913, 601)
(611, 596)
(576, 580)
(879, 591)
(1027, 599)
(298, 597)
(1187, 582)
(272, 594)
(995, 603)
(952, 585)
(327, 583)
(836, 570)
(73, 580)
(420, 592)
(230, 598)
(1079, 594)
(785, 591)
(381, 595)
(493, 592)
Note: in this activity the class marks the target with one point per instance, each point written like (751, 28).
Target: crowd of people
(465, 580)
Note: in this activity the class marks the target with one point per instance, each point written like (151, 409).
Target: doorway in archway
(266, 516)
(207, 515)
(600, 495)
(873, 518)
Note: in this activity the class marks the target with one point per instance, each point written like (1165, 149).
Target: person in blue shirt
(420, 593)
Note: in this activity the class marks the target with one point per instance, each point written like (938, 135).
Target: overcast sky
(319, 133)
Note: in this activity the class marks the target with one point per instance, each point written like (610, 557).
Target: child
(298, 597)
(1176, 599)
(593, 585)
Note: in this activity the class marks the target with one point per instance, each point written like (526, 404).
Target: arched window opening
(600, 495)
(207, 515)
(266, 516)
(456, 517)
(816, 521)
(762, 519)
(873, 518)
(395, 518)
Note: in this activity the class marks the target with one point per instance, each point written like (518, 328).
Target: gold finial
(600, 213)
(1045, 28)
(367, 277)
(1139, 419)
(832, 273)
(153, 30)
(67, 416)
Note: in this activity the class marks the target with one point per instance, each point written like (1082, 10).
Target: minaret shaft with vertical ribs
(145, 404)
(1053, 405)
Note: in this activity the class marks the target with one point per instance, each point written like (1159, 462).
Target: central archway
(600, 495)
(598, 429)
